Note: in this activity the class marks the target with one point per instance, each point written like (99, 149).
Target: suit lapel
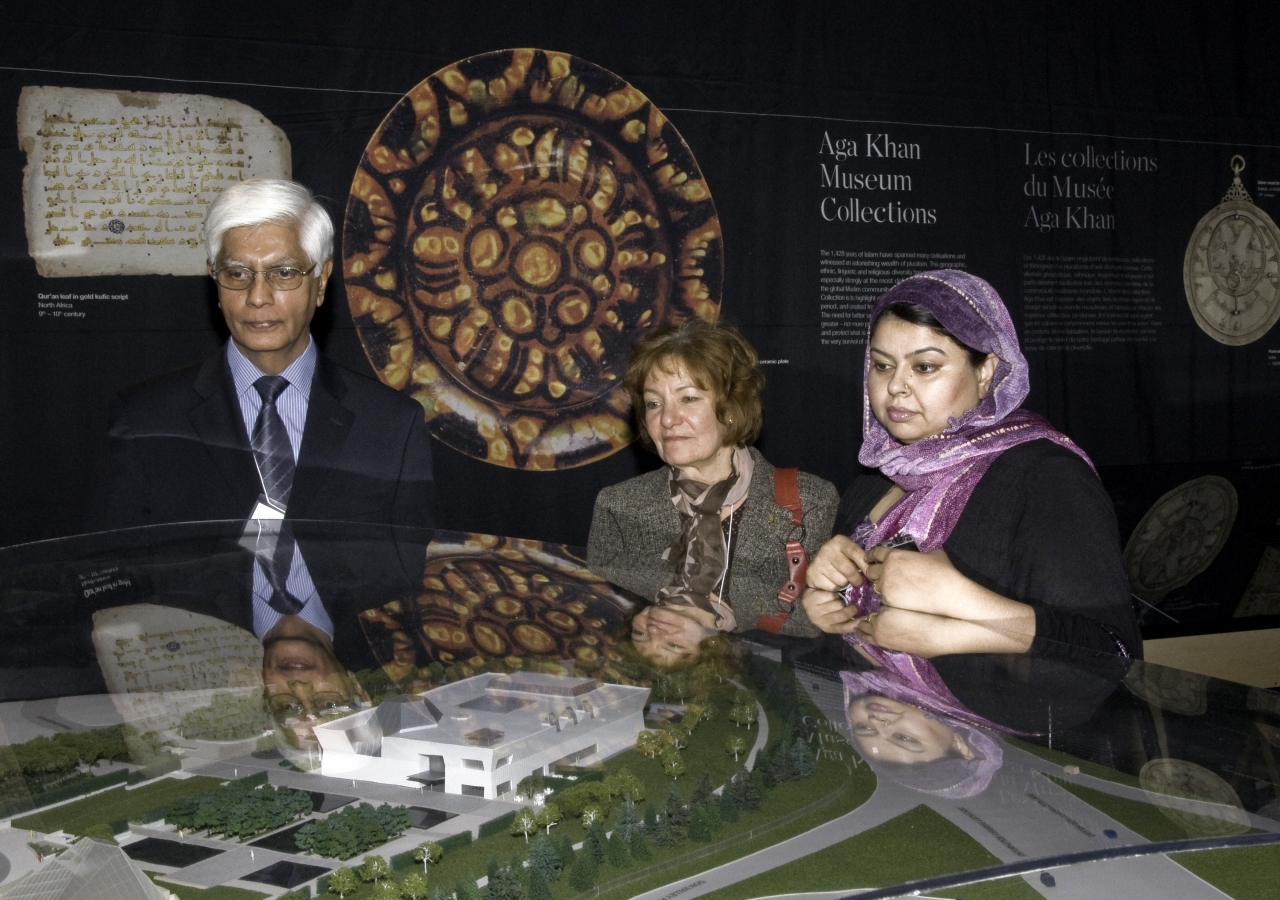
(323, 439)
(217, 420)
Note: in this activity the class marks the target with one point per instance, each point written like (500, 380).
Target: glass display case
(445, 714)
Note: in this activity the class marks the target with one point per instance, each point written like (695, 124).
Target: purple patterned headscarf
(910, 679)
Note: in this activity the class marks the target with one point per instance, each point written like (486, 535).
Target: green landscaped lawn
(1146, 819)
(1066, 759)
(183, 892)
(1245, 873)
(917, 844)
(113, 805)
(705, 753)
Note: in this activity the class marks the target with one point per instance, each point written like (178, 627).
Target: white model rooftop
(480, 736)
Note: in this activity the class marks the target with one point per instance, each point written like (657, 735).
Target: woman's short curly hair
(719, 359)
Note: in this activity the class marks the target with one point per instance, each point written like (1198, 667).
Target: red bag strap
(786, 492)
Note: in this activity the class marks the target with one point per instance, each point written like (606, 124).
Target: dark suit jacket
(178, 451)
(46, 610)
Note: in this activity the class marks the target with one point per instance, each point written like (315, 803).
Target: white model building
(480, 736)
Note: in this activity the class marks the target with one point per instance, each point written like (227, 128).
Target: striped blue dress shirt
(292, 406)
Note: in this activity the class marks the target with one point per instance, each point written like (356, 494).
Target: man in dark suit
(266, 427)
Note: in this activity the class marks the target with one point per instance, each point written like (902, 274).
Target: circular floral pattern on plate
(488, 600)
(518, 220)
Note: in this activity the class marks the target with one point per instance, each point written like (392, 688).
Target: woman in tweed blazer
(677, 535)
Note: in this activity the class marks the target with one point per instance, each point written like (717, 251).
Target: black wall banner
(1111, 174)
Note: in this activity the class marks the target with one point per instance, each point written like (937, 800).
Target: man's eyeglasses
(321, 705)
(280, 278)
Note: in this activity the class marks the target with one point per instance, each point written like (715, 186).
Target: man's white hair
(262, 201)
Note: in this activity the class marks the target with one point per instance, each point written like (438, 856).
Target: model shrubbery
(353, 830)
(239, 809)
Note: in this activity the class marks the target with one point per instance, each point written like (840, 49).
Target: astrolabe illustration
(1175, 785)
(518, 220)
(1179, 536)
(1231, 271)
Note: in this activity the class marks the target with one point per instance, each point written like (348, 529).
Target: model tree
(674, 809)
(735, 746)
(386, 890)
(649, 743)
(548, 816)
(539, 888)
(639, 845)
(503, 884)
(729, 809)
(802, 759)
(353, 831)
(616, 851)
(342, 882)
(699, 825)
(585, 870)
(374, 869)
(702, 792)
(239, 809)
(524, 823)
(428, 853)
(414, 886)
(467, 889)
(625, 785)
(567, 854)
(744, 711)
(672, 763)
(594, 841)
(545, 858)
(628, 822)
(531, 785)
(664, 833)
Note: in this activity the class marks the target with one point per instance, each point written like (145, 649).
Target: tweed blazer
(635, 521)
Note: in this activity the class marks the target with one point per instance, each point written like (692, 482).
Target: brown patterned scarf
(699, 553)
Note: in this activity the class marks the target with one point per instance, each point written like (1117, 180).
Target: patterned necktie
(276, 565)
(270, 441)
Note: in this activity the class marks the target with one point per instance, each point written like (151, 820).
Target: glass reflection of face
(306, 685)
(666, 637)
(888, 731)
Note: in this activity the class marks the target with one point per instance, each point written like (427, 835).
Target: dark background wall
(754, 89)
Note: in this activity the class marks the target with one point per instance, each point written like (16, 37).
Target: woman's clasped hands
(927, 606)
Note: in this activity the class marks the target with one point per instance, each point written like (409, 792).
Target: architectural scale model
(90, 870)
(480, 736)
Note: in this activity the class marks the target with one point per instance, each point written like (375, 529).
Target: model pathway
(1022, 816)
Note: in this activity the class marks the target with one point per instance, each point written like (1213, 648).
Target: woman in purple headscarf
(915, 732)
(986, 531)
